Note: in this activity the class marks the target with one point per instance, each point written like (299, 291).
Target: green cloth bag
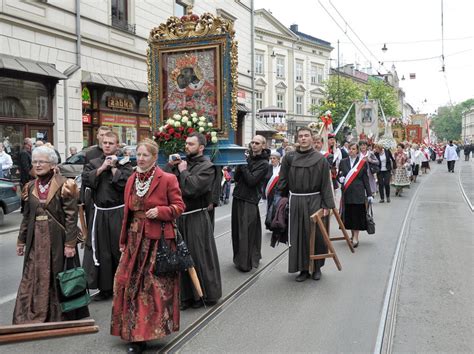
(76, 302)
(72, 281)
(73, 286)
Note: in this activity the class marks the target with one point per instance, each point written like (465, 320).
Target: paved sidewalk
(435, 311)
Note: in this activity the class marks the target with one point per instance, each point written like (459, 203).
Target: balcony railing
(123, 25)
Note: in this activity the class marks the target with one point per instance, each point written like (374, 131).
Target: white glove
(342, 179)
(370, 199)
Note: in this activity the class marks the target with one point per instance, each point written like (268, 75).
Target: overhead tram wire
(429, 58)
(344, 31)
(443, 64)
(360, 40)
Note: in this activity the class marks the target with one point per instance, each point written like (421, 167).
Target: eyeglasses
(39, 162)
(255, 142)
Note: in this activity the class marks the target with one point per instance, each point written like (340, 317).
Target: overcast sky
(411, 30)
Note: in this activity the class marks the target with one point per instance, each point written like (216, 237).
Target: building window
(120, 16)
(259, 100)
(179, 9)
(320, 75)
(299, 71)
(314, 101)
(280, 68)
(280, 100)
(314, 74)
(259, 64)
(299, 104)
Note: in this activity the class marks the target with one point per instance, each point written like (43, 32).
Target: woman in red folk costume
(145, 306)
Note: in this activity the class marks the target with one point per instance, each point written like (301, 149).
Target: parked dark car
(9, 199)
(73, 165)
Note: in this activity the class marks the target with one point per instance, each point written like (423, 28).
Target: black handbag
(169, 261)
(374, 168)
(370, 220)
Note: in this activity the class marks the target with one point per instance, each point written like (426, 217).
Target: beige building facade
(56, 48)
(290, 69)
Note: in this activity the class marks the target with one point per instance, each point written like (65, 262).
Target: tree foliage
(447, 124)
(341, 92)
(386, 95)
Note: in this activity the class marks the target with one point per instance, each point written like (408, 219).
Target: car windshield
(77, 159)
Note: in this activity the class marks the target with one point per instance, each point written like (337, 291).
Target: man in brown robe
(106, 177)
(196, 176)
(304, 176)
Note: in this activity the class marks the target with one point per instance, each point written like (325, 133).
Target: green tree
(447, 124)
(340, 93)
(386, 95)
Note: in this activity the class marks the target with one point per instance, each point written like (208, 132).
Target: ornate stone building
(290, 68)
(69, 66)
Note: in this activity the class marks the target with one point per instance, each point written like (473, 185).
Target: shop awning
(107, 80)
(12, 63)
(242, 108)
(263, 127)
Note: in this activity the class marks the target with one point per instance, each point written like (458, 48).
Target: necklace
(142, 186)
(44, 189)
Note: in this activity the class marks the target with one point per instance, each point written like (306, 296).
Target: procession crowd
(133, 213)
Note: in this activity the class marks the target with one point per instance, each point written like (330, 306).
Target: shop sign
(86, 118)
(86, 96)
(118, 120)
(119, 103)
(144, 122)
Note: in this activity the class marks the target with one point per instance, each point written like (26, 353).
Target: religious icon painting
(190, 81)
(192, 65)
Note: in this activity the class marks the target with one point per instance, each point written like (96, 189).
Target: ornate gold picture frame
(192, 65)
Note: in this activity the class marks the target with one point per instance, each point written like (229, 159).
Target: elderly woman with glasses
(47, 239)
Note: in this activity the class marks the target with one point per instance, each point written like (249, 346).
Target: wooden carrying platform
(317, 218)
(32, 331)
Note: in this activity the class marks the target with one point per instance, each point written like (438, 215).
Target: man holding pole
(305, 178)
(196, 176)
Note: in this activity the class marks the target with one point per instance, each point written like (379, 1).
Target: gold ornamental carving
(191, 25)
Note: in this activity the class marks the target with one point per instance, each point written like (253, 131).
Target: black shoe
(388, 200)
(103, 295)
(316, 275)
(355, 244)
(382, 201)
(136, 347)
(302, 276)
(197, 304)
(184, 305)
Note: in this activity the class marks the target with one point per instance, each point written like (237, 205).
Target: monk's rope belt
(41, 218)
(289, 210)
(193, 211)
(96, 208)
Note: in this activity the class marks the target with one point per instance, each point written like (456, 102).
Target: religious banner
(367, 119)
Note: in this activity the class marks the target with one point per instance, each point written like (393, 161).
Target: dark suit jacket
(390, 160)
(354, 194)
(25, 167)
(165, 194)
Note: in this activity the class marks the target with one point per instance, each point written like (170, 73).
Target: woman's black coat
(390, 160)
(355, 193)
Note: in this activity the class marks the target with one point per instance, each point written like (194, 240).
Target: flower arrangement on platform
(171, 136)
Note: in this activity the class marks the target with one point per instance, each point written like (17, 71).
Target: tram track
(192, 330)
(386, 330)
(463, 191)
